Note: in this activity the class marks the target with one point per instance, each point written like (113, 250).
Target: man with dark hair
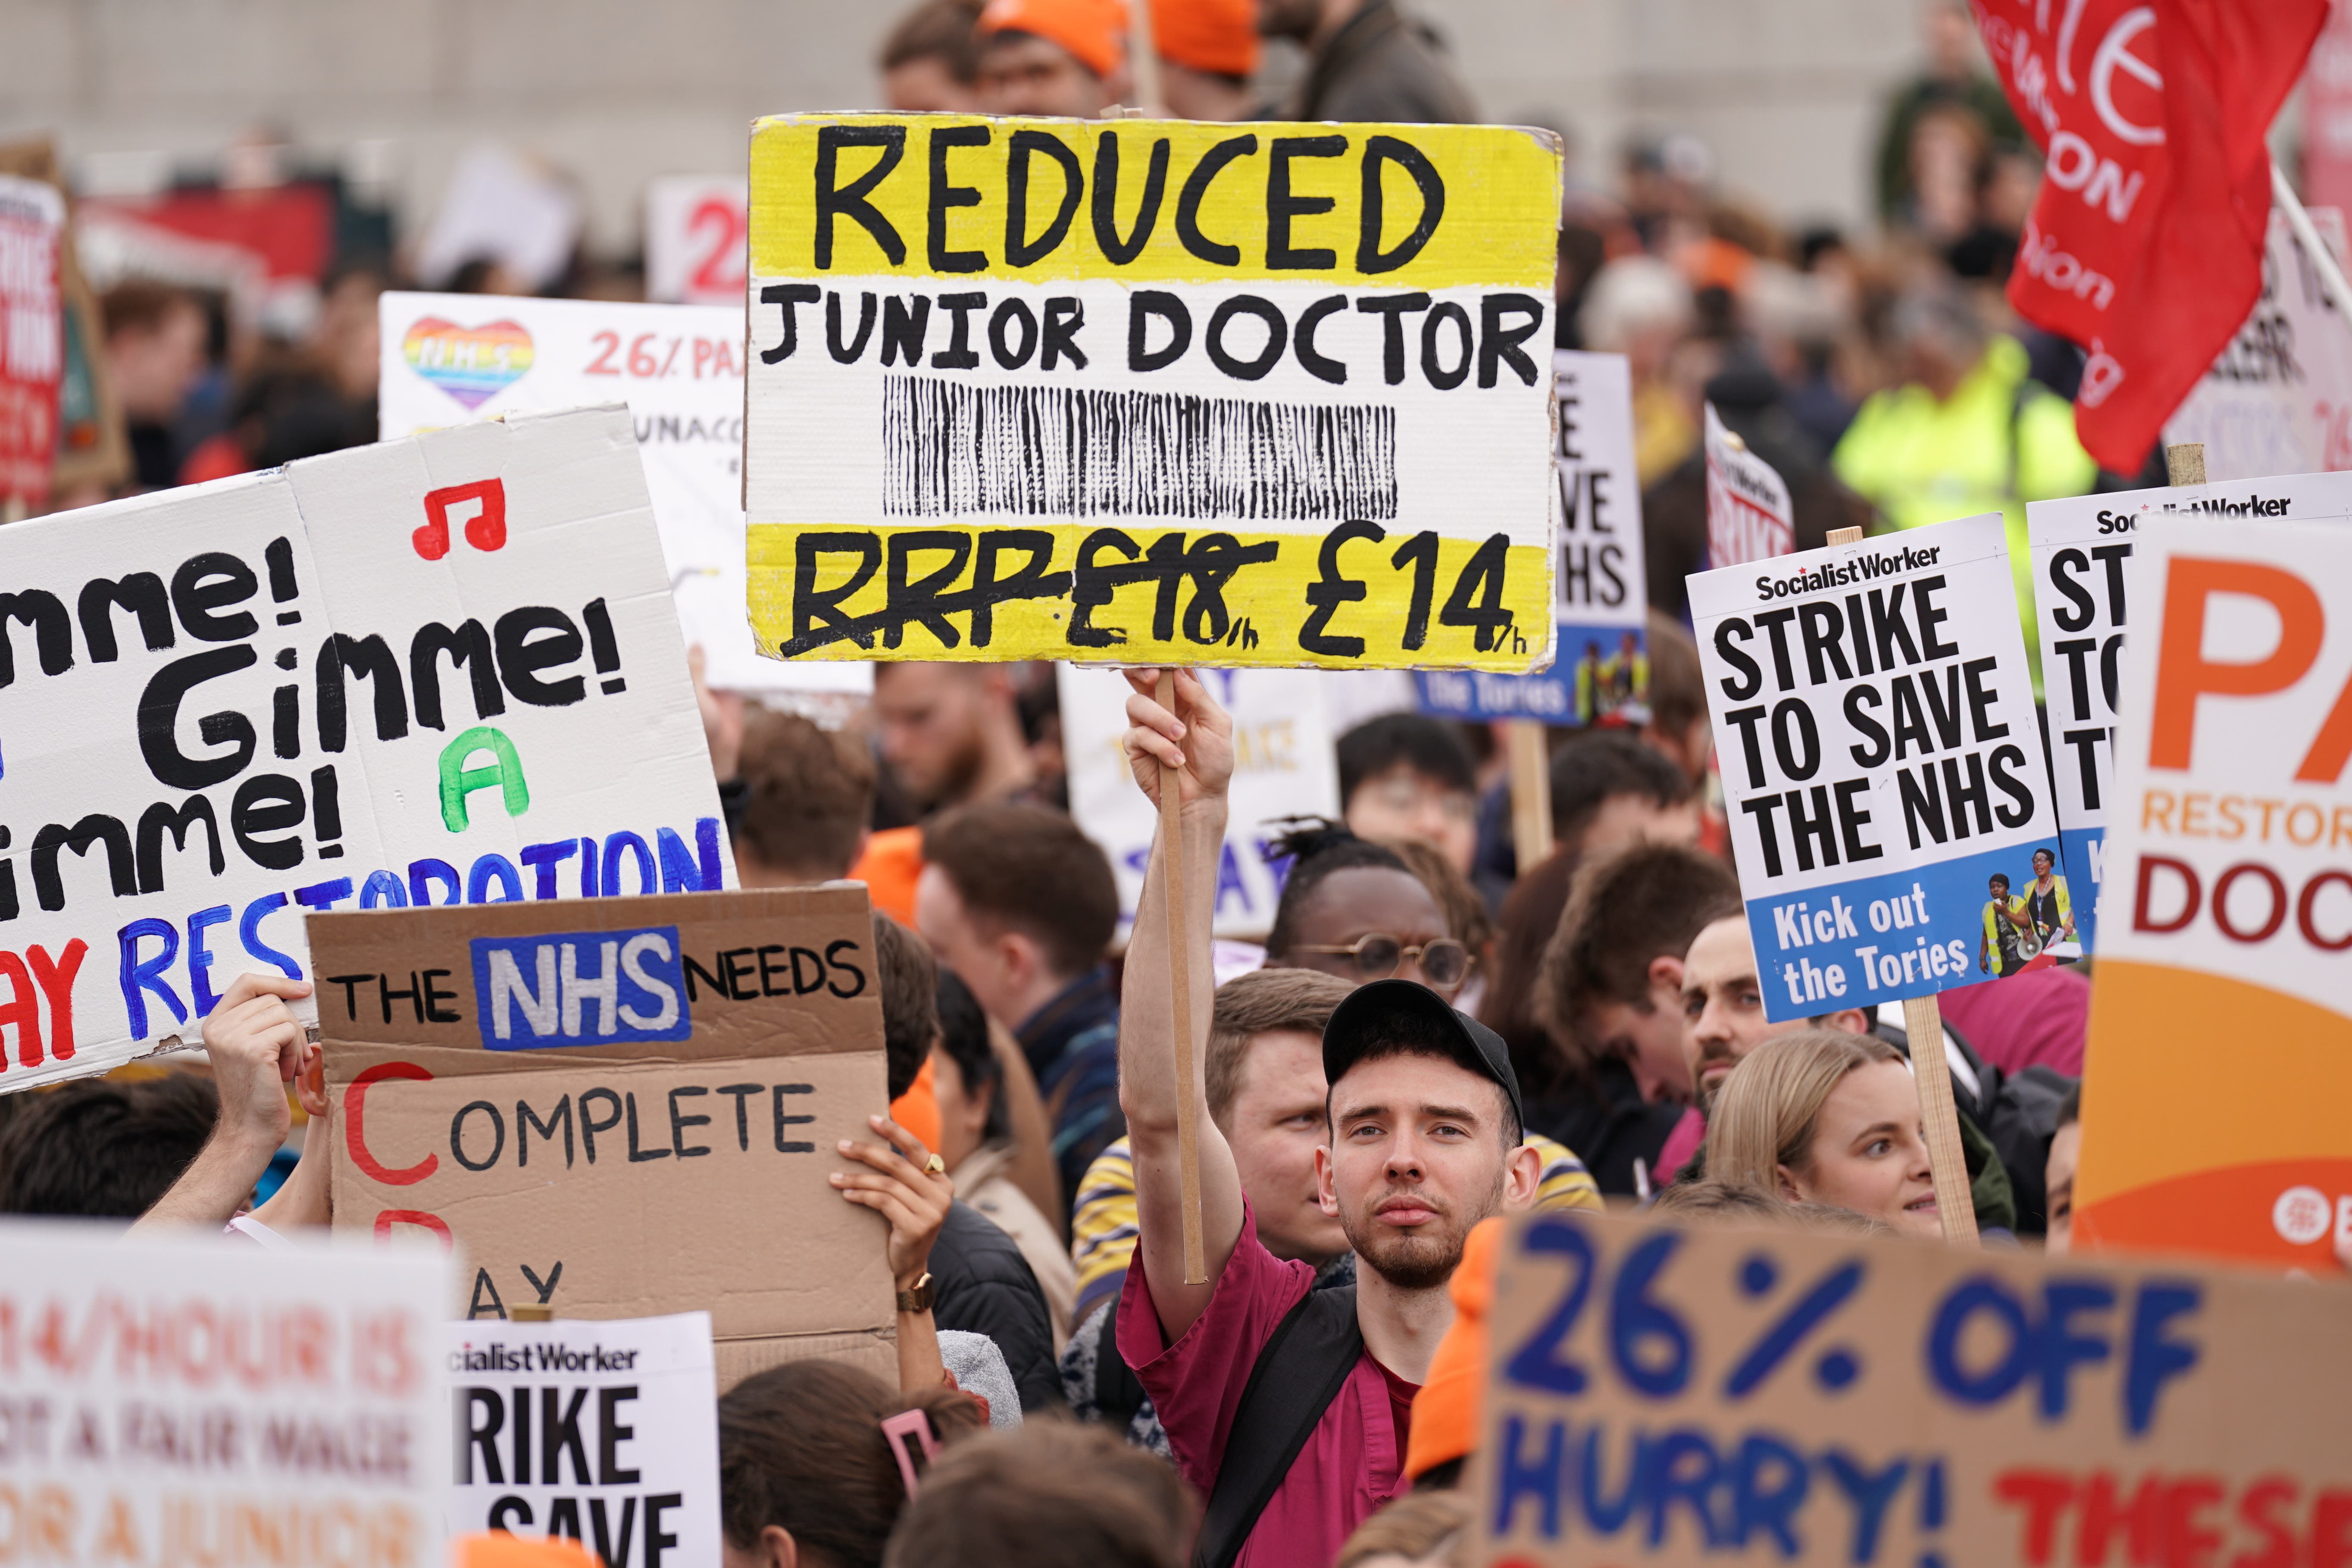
(1407, 775)
(1367, 61)
(930, 57)
(982, 1284)
(1608, 789)
(1022, 907)
(807, 793)
(1614, 976)
(104, 1150)
(1290, 1407)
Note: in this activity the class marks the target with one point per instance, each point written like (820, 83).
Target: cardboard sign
(697, 230)
(606, 1433)
(189, 1399)
(620, 1108)
(2279, 398)
(2081, 550)
(1754, 1396)
(451, 358)
(436, 670)
(1283, 766)
(1881, 758)
(1151, 392)
(32, 335)
(1749, 515)
(1599, 574)
(2231, 856)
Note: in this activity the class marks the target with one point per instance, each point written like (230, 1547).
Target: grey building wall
(619, 91)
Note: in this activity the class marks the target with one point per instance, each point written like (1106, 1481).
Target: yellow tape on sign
(1353, 596)
(1142, 201)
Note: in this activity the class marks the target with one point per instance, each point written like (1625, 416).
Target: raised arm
(256, 1047)
(1199, 738)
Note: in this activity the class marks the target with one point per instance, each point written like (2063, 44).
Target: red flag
(2146, 244)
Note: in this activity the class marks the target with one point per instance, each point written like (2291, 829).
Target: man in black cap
(1289, 1407)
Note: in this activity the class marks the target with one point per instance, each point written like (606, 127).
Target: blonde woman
(1824, 1118)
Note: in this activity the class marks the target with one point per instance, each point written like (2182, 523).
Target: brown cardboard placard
(622, 1107)
(1752, 1395)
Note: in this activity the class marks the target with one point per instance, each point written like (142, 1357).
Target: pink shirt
(2037, 1016)
(1353, 1462)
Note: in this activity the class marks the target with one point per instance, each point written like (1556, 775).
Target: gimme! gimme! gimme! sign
(2229, 910)
(1882, 762)
(1153, 391)
(434, 671)
(1754, 1396)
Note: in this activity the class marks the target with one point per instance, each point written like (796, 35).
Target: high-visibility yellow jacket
(2000, 441)
(1996, 913)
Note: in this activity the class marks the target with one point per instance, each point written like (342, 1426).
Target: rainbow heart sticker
(472, 365)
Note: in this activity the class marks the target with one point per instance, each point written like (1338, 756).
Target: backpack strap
(1296, 1375)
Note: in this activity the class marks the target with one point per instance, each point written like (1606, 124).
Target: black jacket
(1606, 1122)
(984, 1286)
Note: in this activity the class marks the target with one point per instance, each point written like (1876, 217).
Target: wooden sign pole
(1143, 60)
(2185, 464)
(1180, 991)
(1923, 1020)
(1527, 744)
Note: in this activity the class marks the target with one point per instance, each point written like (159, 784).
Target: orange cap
(1446, 1412)
(1218, 35)
(1090, 29)
(497, 1549)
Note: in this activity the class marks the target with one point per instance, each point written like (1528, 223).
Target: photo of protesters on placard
(2047, 902)
(1615, 688)
(2009, 939)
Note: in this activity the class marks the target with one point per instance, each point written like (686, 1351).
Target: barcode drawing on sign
(950, 449)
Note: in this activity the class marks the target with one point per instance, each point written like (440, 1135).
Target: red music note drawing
(485, 529)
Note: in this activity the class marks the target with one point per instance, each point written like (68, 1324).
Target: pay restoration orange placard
(2220, 1052)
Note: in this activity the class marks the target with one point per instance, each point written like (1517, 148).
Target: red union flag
(1748, 513)
(2146, 244)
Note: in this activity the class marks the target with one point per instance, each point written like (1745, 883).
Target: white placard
(2279, 398)
(1748, 517)
(1881, 758)
(1599, 576)
(444, 670)
(1283, 766)
(695, 226)
(451, 358)
(201, 1399)
(2082, 554)
(605, 1431)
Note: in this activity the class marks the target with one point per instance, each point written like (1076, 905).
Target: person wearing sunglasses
(1350, 907)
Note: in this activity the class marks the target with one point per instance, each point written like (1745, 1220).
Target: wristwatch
(917, 1300)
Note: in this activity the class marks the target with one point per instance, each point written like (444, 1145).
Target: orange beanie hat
(497, 1549)
(1089, 30)
(1218, 35)
(1446, 1412)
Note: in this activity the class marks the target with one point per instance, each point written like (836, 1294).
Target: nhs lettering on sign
(580, 988)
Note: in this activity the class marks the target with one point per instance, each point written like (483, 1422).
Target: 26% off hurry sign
(1664, 1395)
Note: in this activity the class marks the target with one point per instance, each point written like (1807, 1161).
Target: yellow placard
(1356, 597)
(1144, 201)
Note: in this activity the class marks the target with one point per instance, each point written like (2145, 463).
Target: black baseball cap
(1369, 1017)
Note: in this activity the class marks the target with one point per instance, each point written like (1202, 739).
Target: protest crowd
(1195, 1219)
